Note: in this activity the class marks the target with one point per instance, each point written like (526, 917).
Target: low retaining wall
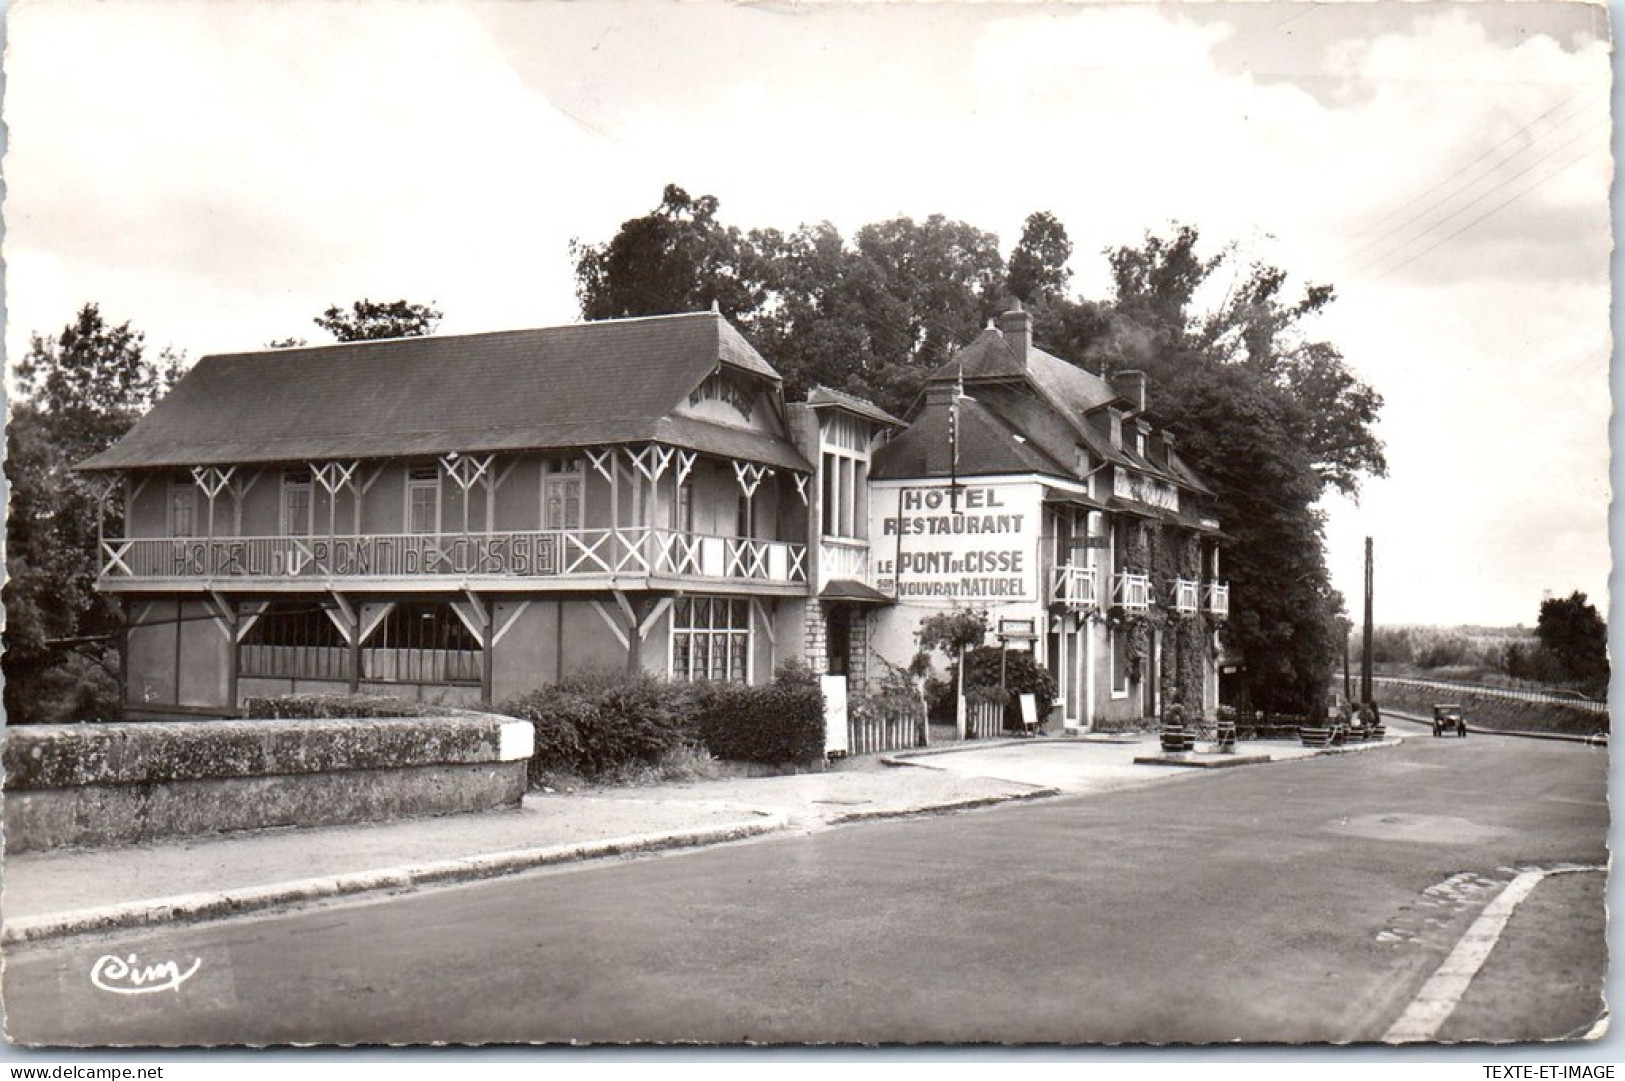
(111, 784)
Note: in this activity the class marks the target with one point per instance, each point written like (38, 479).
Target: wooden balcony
(840, 558)
(550, 559)
(1218, 599)
(1132, 591)
(1073, 587)
(1187, 596)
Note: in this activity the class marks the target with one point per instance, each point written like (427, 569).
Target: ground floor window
(1120, 662)
(294, 640)
(421, 643)
(710, 639)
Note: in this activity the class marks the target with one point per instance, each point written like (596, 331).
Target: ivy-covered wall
(1167, 553)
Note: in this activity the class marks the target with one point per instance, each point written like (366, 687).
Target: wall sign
(976, 546)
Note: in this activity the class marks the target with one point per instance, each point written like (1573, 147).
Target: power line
(1423, 235)
(1492, 210)
(1468, 167)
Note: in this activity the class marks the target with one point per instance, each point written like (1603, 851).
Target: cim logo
(128, 976)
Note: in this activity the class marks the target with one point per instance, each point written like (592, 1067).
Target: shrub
(595, 722)
(780, 722)
(1022, 675)
(681, 763)
(312, 707)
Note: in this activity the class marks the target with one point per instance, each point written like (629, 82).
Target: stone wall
(111, 784)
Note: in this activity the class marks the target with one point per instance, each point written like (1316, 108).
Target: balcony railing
(1073, 587)
(843, 559)
(1218, 599)
(1187, 596)
(574, 553)
(1132, 591)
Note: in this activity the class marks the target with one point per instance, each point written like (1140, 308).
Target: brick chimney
(1130, 385)
(938, 397)
(1017, 328)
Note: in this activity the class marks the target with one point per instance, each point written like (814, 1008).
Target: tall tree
(1572, 632)
(676, 258)
(871, 315)
(79, 391)
(373, 320)
(1271, 419)
(1038, 270)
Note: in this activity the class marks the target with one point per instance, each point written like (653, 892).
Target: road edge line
(1443, 991)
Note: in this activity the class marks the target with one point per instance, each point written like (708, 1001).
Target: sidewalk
(50, 894)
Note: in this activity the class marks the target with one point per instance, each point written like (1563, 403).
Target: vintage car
(1448, 717)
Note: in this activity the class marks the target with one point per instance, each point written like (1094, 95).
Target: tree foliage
(373, 320)
(1038, 266)
(871, 314)
(1271, 420)
(676, 258)
(79, 392)
(1572, 632)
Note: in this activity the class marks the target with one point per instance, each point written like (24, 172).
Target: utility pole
(1365, 655)
(1347, 627)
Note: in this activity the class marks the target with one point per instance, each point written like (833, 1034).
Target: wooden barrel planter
(1176, 738)
(1315, 735)
(1226, 736)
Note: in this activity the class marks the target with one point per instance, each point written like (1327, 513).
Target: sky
(219, 173)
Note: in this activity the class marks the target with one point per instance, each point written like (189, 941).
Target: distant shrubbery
(1567, 649)
(599, 725)
(1021, 674)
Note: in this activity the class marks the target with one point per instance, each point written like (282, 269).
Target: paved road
(1300, 901)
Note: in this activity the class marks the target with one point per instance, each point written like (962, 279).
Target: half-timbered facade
(459, 519)
(463, 519)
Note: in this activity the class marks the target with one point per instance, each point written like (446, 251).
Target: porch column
(228, 612)
(488, 616)
(124, 653)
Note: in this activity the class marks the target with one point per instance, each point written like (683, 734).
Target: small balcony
(1132, 591)
(528, 559)
(840, 558)
(1073, 587)
(1187, 596)
(1218, 599)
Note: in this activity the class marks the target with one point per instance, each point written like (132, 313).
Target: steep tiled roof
(1020, 417)
(987, 446)
(590, 384)
(826, 396)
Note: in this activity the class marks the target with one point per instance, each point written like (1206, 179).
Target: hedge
(780, 722)
(595, 723)
(322, 707)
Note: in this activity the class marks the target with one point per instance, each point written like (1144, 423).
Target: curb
(1595, 740)
(203, 906)
(903, 758)
(970, 804)
(1204, 763)
(1356, 748)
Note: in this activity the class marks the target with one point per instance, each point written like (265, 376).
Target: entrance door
(1151, 676)
(838, 640)
(1074, 676)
